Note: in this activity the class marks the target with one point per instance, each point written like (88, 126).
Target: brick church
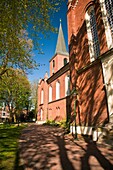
(80, 86)
(53, 91)
(90, 39)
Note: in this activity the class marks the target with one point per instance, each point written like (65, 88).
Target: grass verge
(9, 135)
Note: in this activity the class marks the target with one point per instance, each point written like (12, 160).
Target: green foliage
(9, 135)
(51, 123)
(34, 88)
(62, 124)
(15, 90)
(17, 17)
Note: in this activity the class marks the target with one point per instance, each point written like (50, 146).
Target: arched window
(53, 66)
(94, 47)
(42, 96)
(57, 90)
(53, 63)
(50, 93)
(65, 61)
(107, 16)
(67, 85)
(109, 9)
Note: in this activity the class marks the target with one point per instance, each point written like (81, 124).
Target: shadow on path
(92, 150)
(41, 148)
(47, 148)
(65, 162)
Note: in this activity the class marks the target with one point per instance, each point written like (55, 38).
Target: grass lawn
(9, 135)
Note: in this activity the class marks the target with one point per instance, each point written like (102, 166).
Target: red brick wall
(91, 104)
(56, 110)
(59, 63)
(76, 19)
(43, 85)
(61, 80)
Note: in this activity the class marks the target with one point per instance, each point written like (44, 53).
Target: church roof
(60, 46)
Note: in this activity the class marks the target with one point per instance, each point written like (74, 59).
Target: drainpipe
(75, 93)
(75, 104)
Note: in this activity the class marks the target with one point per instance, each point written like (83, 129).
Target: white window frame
(57, 90)
(50, 93)
(67, 88)
(108, 33)
(89, 33)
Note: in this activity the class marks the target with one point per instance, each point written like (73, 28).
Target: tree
(17, 19)
(34, 97)
(15, 91)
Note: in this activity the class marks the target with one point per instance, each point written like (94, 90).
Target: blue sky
(49, 46)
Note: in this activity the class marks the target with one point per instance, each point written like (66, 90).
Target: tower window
(53, 66)
(65, 61)
(53, 63)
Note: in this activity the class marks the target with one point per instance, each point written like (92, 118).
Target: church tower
(53, 103)
(61, 56)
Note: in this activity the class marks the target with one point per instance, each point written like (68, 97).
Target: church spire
(61, 47)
